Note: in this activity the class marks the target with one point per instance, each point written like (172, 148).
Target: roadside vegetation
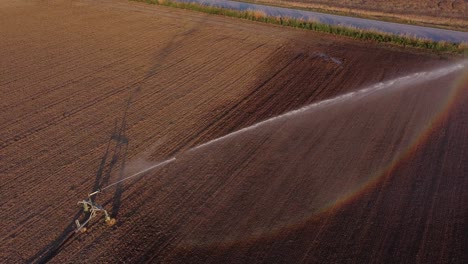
(369, 35)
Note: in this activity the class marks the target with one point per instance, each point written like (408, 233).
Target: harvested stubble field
(92, 91)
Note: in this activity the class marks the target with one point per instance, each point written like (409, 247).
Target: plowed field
(94, 91)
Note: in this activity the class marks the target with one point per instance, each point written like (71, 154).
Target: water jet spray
(92, 208)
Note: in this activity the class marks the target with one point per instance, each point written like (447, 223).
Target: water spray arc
(91, 208)
(139, 173)
(415, 78)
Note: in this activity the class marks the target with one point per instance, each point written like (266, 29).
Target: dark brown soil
(93, 91)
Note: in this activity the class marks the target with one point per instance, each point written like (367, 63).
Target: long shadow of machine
(114, 157)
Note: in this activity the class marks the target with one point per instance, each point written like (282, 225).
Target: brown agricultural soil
(92, 91)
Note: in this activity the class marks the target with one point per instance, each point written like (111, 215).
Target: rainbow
(456, 88)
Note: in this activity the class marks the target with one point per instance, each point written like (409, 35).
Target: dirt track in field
(93, 91)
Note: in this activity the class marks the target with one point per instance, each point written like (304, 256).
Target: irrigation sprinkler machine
(92, 209)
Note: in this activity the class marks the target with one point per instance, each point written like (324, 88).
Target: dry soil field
(93, 91)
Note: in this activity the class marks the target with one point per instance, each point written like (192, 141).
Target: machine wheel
(111, 222)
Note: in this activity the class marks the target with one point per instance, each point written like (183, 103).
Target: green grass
(369, 35)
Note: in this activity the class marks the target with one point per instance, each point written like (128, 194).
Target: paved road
(395, 28)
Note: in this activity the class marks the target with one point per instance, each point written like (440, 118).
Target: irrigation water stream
(394, 84)
(278, 174)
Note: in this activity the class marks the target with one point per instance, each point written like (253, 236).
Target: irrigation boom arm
(91, 208)
(94, 193)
